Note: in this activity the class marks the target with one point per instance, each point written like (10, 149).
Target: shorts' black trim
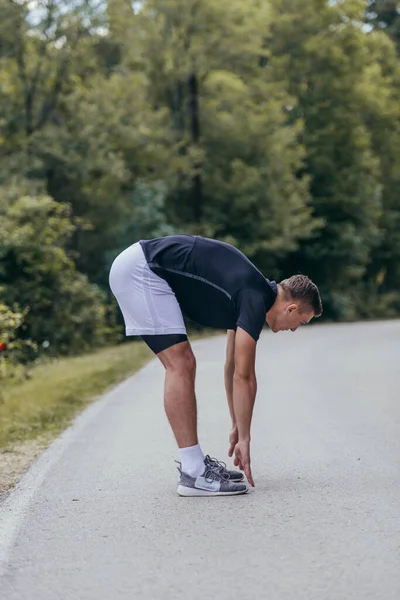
(158, 343)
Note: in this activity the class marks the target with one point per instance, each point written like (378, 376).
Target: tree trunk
(194, 119)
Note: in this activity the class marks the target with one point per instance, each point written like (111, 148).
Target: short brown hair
(300, 287)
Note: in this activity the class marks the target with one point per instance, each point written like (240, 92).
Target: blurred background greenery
(271, 124)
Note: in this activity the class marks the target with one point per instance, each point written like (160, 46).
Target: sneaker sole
(237, 480)
(186, 491)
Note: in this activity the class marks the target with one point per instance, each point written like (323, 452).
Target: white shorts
(147, 302)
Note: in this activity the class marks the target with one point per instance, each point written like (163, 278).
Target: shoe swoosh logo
(202, 484)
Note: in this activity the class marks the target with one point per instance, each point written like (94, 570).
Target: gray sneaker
(218, 465)
(212, 483)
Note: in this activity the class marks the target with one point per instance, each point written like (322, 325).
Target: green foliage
(385, 15)
(145, 217)
(381, 108)
(234, 172)
(327, 73)
(66, 313)
(105, 154)
(13, 351)
(272, 125)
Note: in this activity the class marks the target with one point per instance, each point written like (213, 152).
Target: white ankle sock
(192, 459)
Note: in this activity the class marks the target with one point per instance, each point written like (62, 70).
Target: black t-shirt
(215, 284)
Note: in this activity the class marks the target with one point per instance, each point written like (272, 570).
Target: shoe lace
(213, 474)
(214, 470)
(215, 464)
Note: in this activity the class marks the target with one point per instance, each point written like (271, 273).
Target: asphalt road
(97, 517)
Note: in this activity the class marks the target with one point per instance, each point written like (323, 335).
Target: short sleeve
(250, 311)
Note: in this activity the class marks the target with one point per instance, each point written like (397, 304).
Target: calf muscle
(179, 393)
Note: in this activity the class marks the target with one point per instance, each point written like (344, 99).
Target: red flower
(2, 346)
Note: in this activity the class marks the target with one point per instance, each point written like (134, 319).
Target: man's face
(289, 317)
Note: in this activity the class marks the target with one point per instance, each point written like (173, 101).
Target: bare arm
(244, 383)
(244, 395)
(229, 370)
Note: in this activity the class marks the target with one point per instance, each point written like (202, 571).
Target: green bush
(13, 351)
(64, 313)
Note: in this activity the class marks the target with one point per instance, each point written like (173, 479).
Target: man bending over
(155, 282)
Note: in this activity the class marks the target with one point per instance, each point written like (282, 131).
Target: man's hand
(233, 440)
(242, 460)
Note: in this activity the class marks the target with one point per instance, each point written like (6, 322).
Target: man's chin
(273, 327)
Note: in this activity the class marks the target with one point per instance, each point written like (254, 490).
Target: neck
(279, 298)
(273, 311)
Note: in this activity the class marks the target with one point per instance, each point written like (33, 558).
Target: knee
(181, 359)
(187, 362)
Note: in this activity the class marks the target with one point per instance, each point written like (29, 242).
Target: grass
(44, 405)
(47, 402)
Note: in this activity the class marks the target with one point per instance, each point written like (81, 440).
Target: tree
(233, 170)
(77, 123)
(322, 50)
(61, 308)
(385, 15)
(13, 351)
(379, 100)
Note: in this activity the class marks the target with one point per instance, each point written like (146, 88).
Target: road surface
(97, 517)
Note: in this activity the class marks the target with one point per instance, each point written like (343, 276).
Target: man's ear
(292, 307)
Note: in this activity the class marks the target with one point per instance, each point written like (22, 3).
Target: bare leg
(179, 395)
